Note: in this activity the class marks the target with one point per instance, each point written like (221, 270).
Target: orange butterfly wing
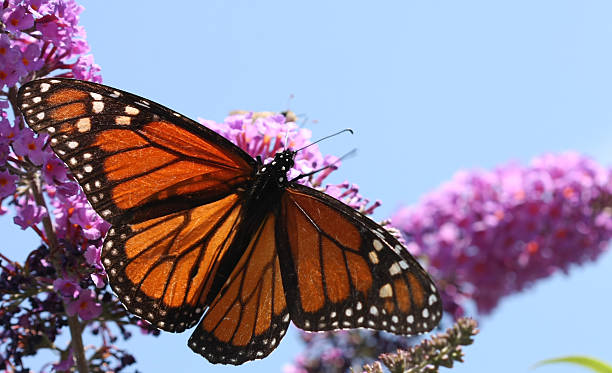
(171, 188)
(342, 270)
(164, 269)
(135, 159)
(249, 317)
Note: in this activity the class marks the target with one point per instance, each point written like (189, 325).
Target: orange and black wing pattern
(164, 269)
(170, 187)
(135, 159)
(249, 316)
(342, 270)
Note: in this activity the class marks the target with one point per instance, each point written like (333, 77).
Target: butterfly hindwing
(134, 159)
(163, 269)
(345, 271)
(249, 317)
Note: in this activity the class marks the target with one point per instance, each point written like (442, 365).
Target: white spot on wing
(83, 124)
(432, 299)
(130, 110)
(385, 291)
(95, 96)
(123, 120)
(373, 257)
(374, 310)
(394, 269)
(377, 245)
(97, 106)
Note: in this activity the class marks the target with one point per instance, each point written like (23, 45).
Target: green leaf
(585, 361)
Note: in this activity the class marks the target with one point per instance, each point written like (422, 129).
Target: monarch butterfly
(202, 232)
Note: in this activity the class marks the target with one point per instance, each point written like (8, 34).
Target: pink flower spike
(26, 145)
(31, 58)
(93, 226)
(19, 20)
(85, 68)
(98, 280)
(67, 288)
(53, 170)
(92, 256)
(29, 214)
(7, 184)
(86, 305)
(489, 234)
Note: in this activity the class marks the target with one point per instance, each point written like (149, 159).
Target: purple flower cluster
(265, 133)
(42, 36)
(488, 234)
(343, 350)
(83, 302)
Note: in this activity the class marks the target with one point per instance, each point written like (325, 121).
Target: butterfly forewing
(349, 271)
(134, 159)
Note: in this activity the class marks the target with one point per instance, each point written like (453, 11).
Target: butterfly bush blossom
(489, 234)
(485, 235)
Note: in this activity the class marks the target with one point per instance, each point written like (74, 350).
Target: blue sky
(430, 87)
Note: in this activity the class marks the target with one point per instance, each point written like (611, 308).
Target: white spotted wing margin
(343, 271)
(249, 316)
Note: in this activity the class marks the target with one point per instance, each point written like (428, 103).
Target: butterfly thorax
(275, 171)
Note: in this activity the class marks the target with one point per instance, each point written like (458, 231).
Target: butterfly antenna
(333, 164)
(326, 137)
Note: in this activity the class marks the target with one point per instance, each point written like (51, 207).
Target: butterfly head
(279, 166)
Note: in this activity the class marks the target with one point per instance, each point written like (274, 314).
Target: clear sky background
(430, 87)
